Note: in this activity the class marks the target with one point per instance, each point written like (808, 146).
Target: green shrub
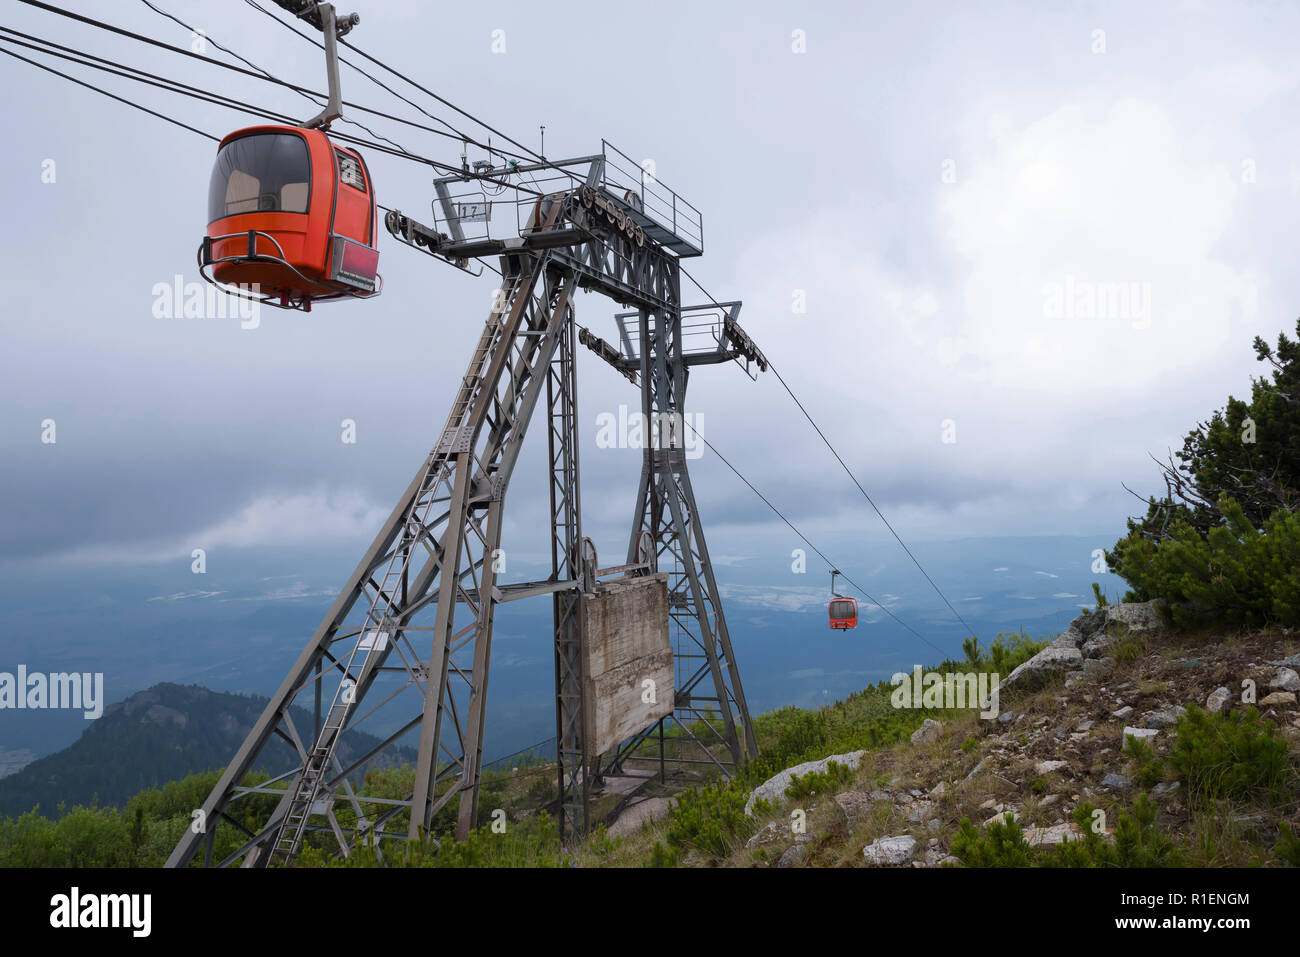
(1197, 547)
(1149, 767)
(969, 744)
(820, 782)
(1008, 650)
(1228, 756)
(532, 842)
(543, 790)
(1000, 844)
(1234, 573)
(661, 856)
(711, 820)
(1137, 842)
(1288, 845)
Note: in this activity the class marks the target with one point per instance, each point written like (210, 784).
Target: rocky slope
(1057, 741)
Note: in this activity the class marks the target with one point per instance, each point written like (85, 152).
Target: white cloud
(312, 518)
(775, 598)
(183, 596)
(1104, 196)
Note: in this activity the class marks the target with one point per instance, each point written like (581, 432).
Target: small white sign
(474, 212)
(374, 641)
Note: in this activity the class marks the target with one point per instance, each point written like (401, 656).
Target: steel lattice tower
(406, 646)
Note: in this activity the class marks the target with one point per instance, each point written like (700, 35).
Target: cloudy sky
(1045, 233)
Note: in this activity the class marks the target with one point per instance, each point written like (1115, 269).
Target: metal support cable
(89, 86)
(266, 78)
(266, 73)
(870, 501)
(779, 514)
(850, 474)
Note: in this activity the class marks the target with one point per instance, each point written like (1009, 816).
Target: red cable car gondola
(292, 215)
(292, 218)
(843, 611)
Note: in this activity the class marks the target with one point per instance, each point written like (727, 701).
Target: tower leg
(572, 773)
(666, 509)
(434, 558)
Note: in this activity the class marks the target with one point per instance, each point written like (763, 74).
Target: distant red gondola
(843, 611)
(292, 215)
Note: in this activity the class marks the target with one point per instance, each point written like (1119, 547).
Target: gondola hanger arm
(323, 18)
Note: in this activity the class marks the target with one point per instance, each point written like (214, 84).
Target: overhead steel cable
(779, 514)
(113, 96)
(844, 465)
(870, 501)
(529, 153)
(90, 86)
(446, 167)
(314, 99)
(133, 73)
(175, 86)
(458, 134)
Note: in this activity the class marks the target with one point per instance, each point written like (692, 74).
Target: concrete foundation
(628, 660)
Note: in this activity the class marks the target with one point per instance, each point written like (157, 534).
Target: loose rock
(1097, 666)
(795, 854)
(1044, 666)
(1142, 734)
(888, 851)
(1001, 817)
(928, 730)
(773, 789)
(1167, 718)
(1285, 680)
(1219, 701)
(767, 834)
(1056, 834)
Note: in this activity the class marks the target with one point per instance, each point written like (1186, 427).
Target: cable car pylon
(404, 652)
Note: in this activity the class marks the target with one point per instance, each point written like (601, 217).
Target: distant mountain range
(242, 628)
(162, 734)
